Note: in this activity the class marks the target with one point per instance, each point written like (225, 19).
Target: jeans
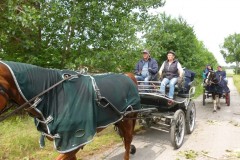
(145, 79)
(141, 78)
(171, 83)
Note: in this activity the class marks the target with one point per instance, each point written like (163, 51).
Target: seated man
(171, 71)
(146, 68)
(222, 73)
(223, 79)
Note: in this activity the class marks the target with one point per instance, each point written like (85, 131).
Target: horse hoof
(218, 107)
(132, 149)
(214, 110)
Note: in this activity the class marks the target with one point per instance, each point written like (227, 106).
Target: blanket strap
(102, 101)
(35, 98)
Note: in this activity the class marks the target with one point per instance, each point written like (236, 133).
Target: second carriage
(208, 90)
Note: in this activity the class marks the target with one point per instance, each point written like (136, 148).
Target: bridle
(209, 78)
(4, 92)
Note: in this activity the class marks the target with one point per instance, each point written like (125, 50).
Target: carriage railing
(153, 88)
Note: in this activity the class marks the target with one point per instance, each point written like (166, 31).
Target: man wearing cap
(171, 72)
(223, 79)
(146, 68)
(221, 73)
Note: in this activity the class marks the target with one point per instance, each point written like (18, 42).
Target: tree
(231, 50)
(68, 33)
(164, 33)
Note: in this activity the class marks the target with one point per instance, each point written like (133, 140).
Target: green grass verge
(19, 141)
(236, 80)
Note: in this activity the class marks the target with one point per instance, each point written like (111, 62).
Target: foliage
(236, 80)
(189, 154)
(63, 33)
(231, 49)
(164, 33)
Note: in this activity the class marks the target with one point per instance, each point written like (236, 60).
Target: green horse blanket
(70, 111)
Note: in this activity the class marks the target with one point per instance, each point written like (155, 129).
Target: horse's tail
(131, 75)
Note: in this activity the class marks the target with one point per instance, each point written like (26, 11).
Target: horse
(125, 122)
(213, 86)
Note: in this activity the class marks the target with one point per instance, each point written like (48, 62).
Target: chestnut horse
(9, 92)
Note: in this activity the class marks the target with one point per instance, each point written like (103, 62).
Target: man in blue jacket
(223, 79)
(147, 68)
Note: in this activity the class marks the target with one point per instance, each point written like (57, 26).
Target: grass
(19, 141)
(236, 80)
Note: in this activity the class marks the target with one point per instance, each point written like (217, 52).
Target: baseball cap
(145, 51)
(171, 51)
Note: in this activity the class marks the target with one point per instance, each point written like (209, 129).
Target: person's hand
(179, 82)
(138, 73)
(150, 70)
(160, 77)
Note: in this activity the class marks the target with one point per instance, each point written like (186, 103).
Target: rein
(66, 77)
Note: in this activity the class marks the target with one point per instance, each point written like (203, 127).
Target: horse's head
(131, 75)
(212, 78)
(4, 94)
(8, 89)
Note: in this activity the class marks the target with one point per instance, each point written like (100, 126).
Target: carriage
(207, 94)
(215, 86)
(175, 118)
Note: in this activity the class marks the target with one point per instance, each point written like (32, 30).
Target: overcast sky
(212, 20)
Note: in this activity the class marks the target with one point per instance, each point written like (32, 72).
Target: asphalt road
(216, 136)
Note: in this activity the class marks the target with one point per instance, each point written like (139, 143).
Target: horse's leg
(68, 156)
(126, 129)
(218, 101)
(214, 102)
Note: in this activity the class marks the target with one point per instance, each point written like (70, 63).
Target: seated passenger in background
(207, 69)
(146, 68)
(223, 79)
(188, 78)
(222, 73)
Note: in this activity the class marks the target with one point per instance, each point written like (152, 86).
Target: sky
(212, 20)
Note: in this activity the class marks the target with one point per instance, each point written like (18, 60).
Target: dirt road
(216, 136)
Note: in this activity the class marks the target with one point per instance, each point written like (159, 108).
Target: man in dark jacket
(146, 68)
(223, 79)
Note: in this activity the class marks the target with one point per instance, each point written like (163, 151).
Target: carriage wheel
(190, 117)
(178, 129)
(132, 149)
(227, 96)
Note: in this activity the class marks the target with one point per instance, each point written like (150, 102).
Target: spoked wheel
(178, 129)
(204, 97)
(190, 117)
(132, 149)
(227, 97)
